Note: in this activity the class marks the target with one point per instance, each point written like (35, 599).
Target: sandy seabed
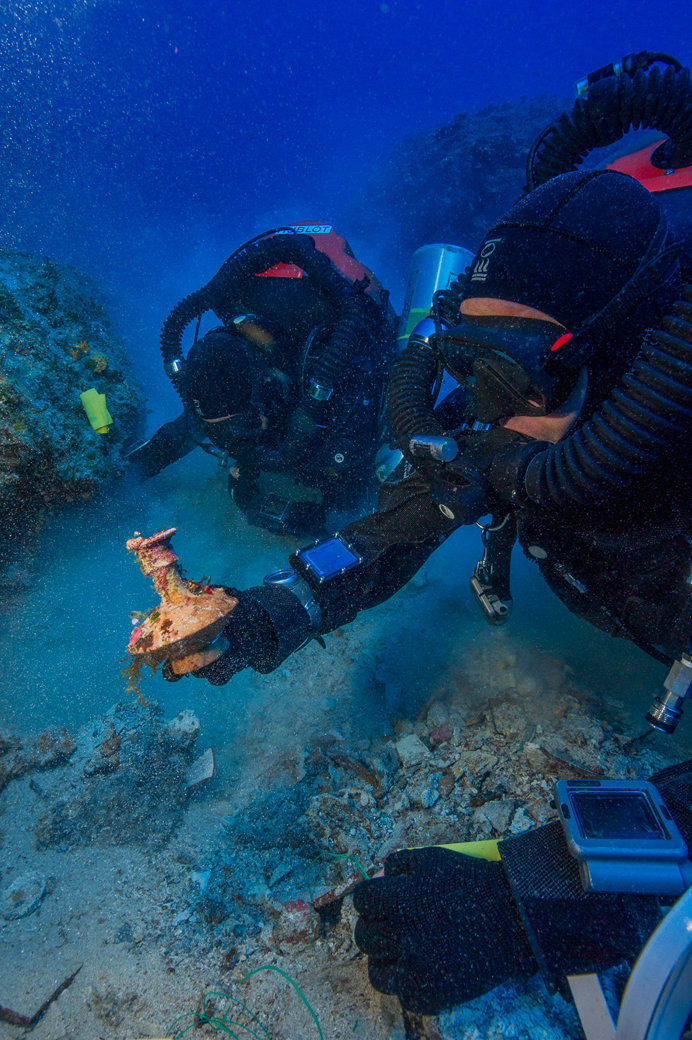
(417, 724)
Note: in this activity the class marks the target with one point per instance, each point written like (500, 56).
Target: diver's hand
(247, 640)
(497, 460)
(440, 928)
(268, 623)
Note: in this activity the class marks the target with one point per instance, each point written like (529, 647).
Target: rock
(202, 770)
(536, 758)
(434, 188)
(11, 765)
(55, 339)
(140, 802)
(521, 822)
(441, 734)
(498, 813)
(256, 893)
(293, 924)
(429, 796)
(105, 758)
(183, 729)
(437, 715)
(22, 896)
(8, 742)
(424, 791)
(52, 747)
(411, 750)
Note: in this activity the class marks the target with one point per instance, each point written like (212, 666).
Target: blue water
(142, 141)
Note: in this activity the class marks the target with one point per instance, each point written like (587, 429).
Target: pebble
(411, 750)
(498, 813)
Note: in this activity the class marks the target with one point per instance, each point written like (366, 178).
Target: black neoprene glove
(251, 643)
(266, 626)
(499, 458)
(440, 928)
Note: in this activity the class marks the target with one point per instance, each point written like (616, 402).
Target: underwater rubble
(453, 774)
(125, 779)
(265, 886)
(56, 341)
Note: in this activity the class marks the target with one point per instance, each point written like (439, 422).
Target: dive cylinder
(433, 267)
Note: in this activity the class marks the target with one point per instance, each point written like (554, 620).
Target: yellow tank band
(95, 408)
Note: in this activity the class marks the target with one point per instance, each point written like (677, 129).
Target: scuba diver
(570, 338)
(289, 391)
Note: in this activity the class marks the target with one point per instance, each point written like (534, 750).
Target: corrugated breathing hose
(650, 99)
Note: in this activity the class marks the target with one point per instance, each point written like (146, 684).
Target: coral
(97, 363)
(80, 348)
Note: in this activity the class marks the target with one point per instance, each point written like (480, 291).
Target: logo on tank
(308, 229)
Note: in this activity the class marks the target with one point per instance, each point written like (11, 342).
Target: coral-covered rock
(51, 747)
(56, 341)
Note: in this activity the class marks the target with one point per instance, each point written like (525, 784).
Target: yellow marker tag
(95, 408)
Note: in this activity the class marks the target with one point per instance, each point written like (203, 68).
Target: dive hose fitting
(666, 711)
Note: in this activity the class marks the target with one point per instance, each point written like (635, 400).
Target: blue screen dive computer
(329, 559)
(623, 836)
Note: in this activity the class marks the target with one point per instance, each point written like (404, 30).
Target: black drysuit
(332, 468)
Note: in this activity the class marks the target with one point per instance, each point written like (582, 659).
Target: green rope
(272, 967)
(223, 1024)
(235, 1000)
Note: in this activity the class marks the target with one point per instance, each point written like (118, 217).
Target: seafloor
(417, 724)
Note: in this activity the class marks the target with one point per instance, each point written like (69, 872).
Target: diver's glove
(440, 928)
(267, 625)
(496, 459)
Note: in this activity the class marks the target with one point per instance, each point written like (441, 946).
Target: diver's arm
(294, 606)
(171, 442)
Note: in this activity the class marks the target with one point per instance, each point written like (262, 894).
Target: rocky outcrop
(56, 340)
(126, 783)
(449, 184)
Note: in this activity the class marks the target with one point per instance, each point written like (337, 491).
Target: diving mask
(508, 366)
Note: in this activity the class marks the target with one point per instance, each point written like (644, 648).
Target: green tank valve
(95, 407)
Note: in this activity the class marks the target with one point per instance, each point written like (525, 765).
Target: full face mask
(507, 366)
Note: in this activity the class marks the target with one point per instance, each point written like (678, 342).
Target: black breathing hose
(347, 298)
(650, 99)
(651, 407)
(645, 414)
(643, 417)
(410, 404)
